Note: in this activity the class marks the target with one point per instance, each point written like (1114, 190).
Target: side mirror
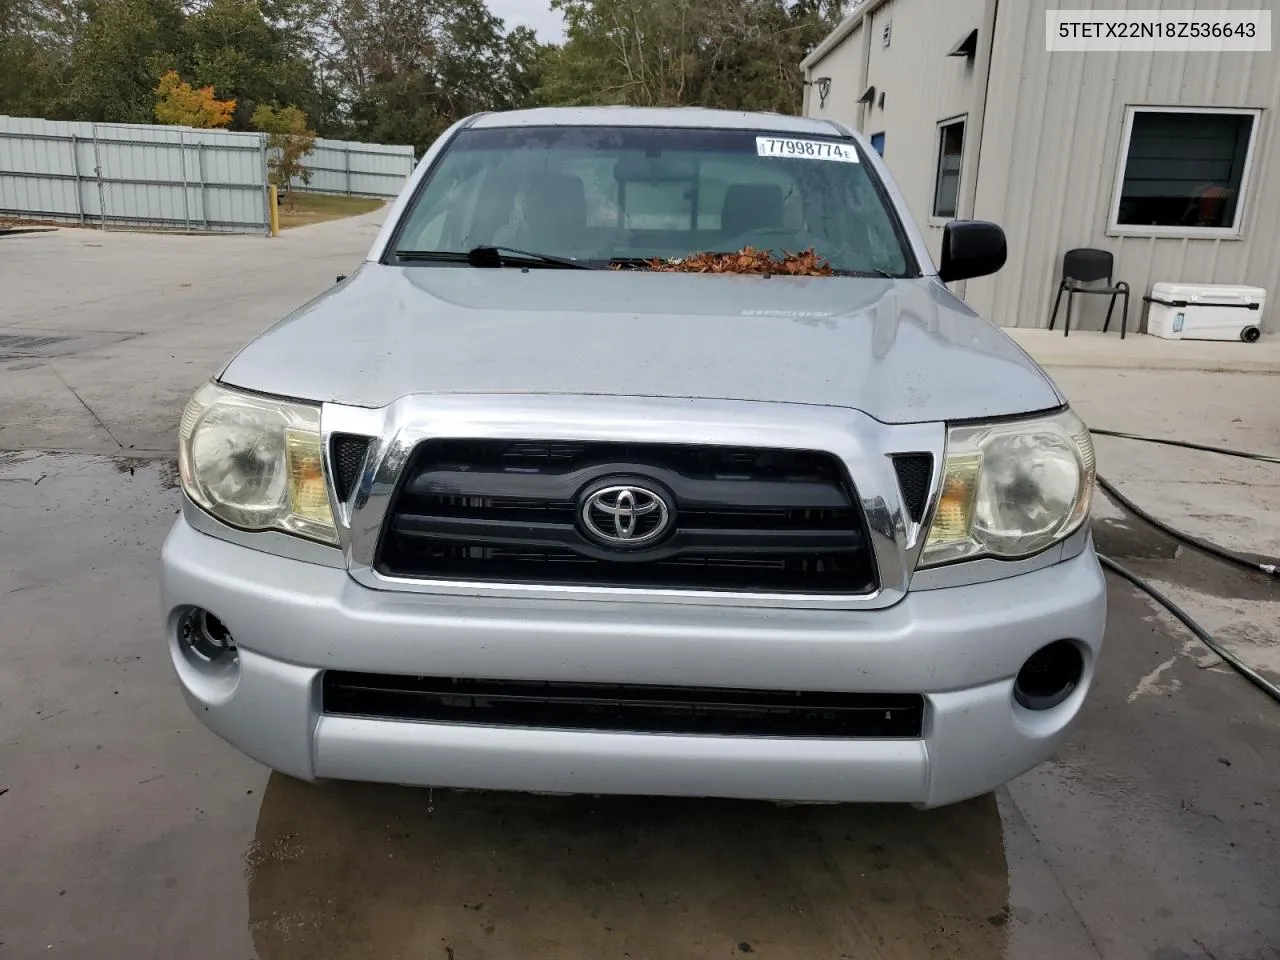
(971, 248)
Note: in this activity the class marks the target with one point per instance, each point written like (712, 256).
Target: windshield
(630, 193)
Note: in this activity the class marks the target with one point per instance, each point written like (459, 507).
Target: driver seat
(751, 206)
(555, 215)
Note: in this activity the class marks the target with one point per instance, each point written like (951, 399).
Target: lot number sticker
(805, 149)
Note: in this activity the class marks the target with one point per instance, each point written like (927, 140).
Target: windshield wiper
(433, 256)
(495, 256)
(498, 256)
(873, 272)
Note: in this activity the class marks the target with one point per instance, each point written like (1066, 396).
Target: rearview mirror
(653, 169)
(971, 248)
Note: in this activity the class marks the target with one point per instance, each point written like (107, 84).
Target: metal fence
(145, 176)
(133, 175)
(359, 169)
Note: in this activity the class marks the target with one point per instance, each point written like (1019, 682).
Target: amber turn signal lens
(954, 515)
(308, 492)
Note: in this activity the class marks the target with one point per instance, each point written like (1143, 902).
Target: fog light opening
(1049, 676)
(205, 635)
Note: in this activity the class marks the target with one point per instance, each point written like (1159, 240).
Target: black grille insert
(346, 453)
(915, 472)
(625, 707)
(748, 519)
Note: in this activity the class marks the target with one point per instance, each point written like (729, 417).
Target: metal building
(1170, 160)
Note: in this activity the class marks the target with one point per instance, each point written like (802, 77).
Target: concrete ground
(127, 830)
(1144, 386)
(1090, 348)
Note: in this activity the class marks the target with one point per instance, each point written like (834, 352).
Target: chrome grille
(742, 518)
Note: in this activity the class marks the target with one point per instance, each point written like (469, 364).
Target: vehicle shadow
(343, 870)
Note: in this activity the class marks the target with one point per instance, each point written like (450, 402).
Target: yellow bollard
(273, 211)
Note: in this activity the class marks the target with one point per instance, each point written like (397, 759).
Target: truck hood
(899, 350)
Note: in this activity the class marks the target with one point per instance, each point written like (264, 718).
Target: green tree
(236, 47)
(405, 72)
(736, 54)
(290, 140)
(400, 70)
(119, 54)
(36, 38)
(102, 59)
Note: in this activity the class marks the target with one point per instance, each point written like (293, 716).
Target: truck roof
(692, 117)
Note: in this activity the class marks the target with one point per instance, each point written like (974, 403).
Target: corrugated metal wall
(1046, 162)
(1051, 154)
(170, 178)
(844, 67)
(133, 175)
(921, 86)
(360, 169)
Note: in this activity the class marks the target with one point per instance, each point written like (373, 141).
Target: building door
(877, 143)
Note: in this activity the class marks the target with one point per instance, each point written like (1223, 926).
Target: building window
(946, 189)
(877, 143)
(1183, 173)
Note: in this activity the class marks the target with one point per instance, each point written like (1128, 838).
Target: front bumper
(960, 647)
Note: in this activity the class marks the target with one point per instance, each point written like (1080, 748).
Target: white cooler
(1205, 311)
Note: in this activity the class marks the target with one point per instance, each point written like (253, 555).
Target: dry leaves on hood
(746, 260)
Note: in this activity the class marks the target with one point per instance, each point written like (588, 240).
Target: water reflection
(366, 871)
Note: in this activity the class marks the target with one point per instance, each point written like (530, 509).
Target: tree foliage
(179, 103)
(408, 70)
(734, 54)
(385, 70)
(242, 49)
(399, 70)
(119, 51)
(289, 139)
(34, 49)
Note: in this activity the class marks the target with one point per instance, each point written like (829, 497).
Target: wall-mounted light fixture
(824, 87)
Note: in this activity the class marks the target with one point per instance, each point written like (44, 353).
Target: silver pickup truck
(522, 504)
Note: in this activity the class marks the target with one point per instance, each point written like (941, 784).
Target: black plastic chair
(1082, 268)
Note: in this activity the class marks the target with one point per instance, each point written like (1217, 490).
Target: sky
(531, 13)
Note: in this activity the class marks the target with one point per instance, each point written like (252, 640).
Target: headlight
(256, 463)
(1011, 489)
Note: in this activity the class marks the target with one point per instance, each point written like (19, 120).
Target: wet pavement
(129, 831)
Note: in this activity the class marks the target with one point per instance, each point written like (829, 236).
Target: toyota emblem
(625, 515)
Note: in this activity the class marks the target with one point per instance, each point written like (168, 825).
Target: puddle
(1202, 575)
(1131, 538)
(345, 870)
(1151, 553)
(168, 469)
(11, 457)
(42, 344)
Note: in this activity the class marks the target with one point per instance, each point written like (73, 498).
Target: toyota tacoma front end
(513, 508)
